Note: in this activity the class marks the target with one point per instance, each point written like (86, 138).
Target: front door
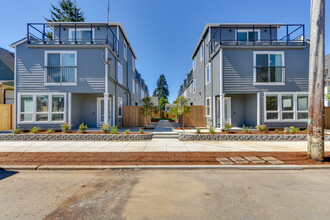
(227, 110)
(100, 111)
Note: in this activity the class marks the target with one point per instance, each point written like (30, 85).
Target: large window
(208, 73)
(269, 67)
(120, 107)
(286, 106)
(82, 34)
(41, 107)
(248, 35)
(61, 67)
(125, 51)
(120, 73)
(208, 107)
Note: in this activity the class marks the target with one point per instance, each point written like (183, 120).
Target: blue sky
(163, 33)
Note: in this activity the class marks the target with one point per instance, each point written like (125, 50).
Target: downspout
(222, 98)
(106, 92)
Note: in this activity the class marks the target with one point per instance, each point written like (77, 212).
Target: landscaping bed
(147, 158)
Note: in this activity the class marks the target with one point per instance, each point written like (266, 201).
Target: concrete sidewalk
(155, 145)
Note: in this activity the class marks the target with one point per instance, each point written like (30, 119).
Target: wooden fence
(327, 117)
(133, 117)
(6, 117)
(196, 117)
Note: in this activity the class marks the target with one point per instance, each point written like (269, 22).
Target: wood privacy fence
(327, 117)
(6, 117)
(196, 117)
(133, 117)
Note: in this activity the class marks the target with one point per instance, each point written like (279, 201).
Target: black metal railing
(186, 82)
(61, 74)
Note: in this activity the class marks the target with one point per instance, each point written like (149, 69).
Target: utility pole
(315, 138)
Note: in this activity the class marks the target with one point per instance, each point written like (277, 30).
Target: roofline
(19, 42)
(207, 26)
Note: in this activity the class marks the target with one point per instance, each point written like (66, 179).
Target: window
(207, 76)
(120, 73)
(120, 107)
(125, 51)
(190, 88)
(202, 52)
(286, 106)
(269, 67)
(142, 94)
(208, 107)
(61, 67)
(194, 85)
(133, 64)
(194, 64)
(248, 35)
(41, 108)
(133, 86)
(136, 87)
(82, 34)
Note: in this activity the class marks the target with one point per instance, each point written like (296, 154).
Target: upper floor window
(61, 67)
(133, 86)
(194, 85)
(194, 64)
(269, 67)
(120, 73)
(208, 73)
(133, 64)
(81, 34)
(125, 50)
(248, 35)
(202, 52)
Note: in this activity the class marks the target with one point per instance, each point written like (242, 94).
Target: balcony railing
(71, 33)
(186, 82)
(61, 74)
(291, 34)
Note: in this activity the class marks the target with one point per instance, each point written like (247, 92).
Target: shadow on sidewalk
(6, 173)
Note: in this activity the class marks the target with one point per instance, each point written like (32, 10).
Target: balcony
(72, 33)
(186, 82)
(257, 35)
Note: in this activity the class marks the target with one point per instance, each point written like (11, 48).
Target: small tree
(148, 108)
(181, 108)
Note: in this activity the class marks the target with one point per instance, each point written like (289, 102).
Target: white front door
(100, 111)
(227, 108)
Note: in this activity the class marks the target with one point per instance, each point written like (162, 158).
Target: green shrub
(261, 128)
(227, 127)
(278, 132)
(49, 131)
(105, 128)
(127, 131)
(66, 127)
(246, 129)
(82, 127)
(35, 130)
(141, 130)
(291, 130)
(16, 131)
(212, 130)
(305, 130)
(114, 130)
(198, 130)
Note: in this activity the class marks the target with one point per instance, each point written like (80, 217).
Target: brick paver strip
(239, 160)
(273, 160)
(224, 161)
(255, 160)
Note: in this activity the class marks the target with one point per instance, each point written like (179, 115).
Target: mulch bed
(88, 132)
(146, 158)
(254, 132)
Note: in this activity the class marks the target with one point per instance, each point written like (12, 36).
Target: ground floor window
(41, 107)
(120, 107)
(286, 106)
(208, 107)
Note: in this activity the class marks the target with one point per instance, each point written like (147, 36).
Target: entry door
(227, 110)
(100, 111)
(218, 111)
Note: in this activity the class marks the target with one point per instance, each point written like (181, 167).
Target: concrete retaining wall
(74, 137)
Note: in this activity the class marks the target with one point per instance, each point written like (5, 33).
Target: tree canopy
(161, 103)
(181, 108)
(162, 88)
(66, 11)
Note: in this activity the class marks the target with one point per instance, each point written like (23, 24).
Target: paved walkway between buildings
(163, 126)
(154, 145)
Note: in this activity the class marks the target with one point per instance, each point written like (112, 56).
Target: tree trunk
(315, 138)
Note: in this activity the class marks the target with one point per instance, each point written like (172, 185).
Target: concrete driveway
(165, 194)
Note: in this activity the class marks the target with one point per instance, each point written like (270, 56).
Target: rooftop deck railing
(141, 81)
(186, 82)
(290, 34)
(48, 33)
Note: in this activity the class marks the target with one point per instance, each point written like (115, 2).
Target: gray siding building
(75, 72)
(250, 74)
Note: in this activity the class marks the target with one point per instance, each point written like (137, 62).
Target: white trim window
(120, 107)
(194, 86)
(190, 87)
(208, 74)
(208, 106)
(133, 64)
(60, 68)
(120, 73)
(136, 87)
(125, 50)
(41, 108)
(269, 67)
(202, 51)
(247, 35)
(133, 86)
(286, 106)
(194, 64)
(142, 94)
(82, 34)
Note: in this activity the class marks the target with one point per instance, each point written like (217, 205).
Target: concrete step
(165, 133)
(174, 136)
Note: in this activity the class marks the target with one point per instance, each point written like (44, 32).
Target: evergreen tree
(66, 11)
(162, 88)
(161, 103)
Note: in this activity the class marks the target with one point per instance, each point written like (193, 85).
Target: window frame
(202, 52)
(120, 100)
(133, 86)
(208, 107)
(255, 53)
(133, 64)
(279, 107)
(194, 86)
(208, 66)
(125, 50)
(247, 33)
(34, 113)
(81, 29)
(194, 64)
(46, 65)
(121, 74)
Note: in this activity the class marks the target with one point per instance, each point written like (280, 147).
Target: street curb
(150, 167)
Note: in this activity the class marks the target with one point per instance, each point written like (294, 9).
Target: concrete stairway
(168, 135)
